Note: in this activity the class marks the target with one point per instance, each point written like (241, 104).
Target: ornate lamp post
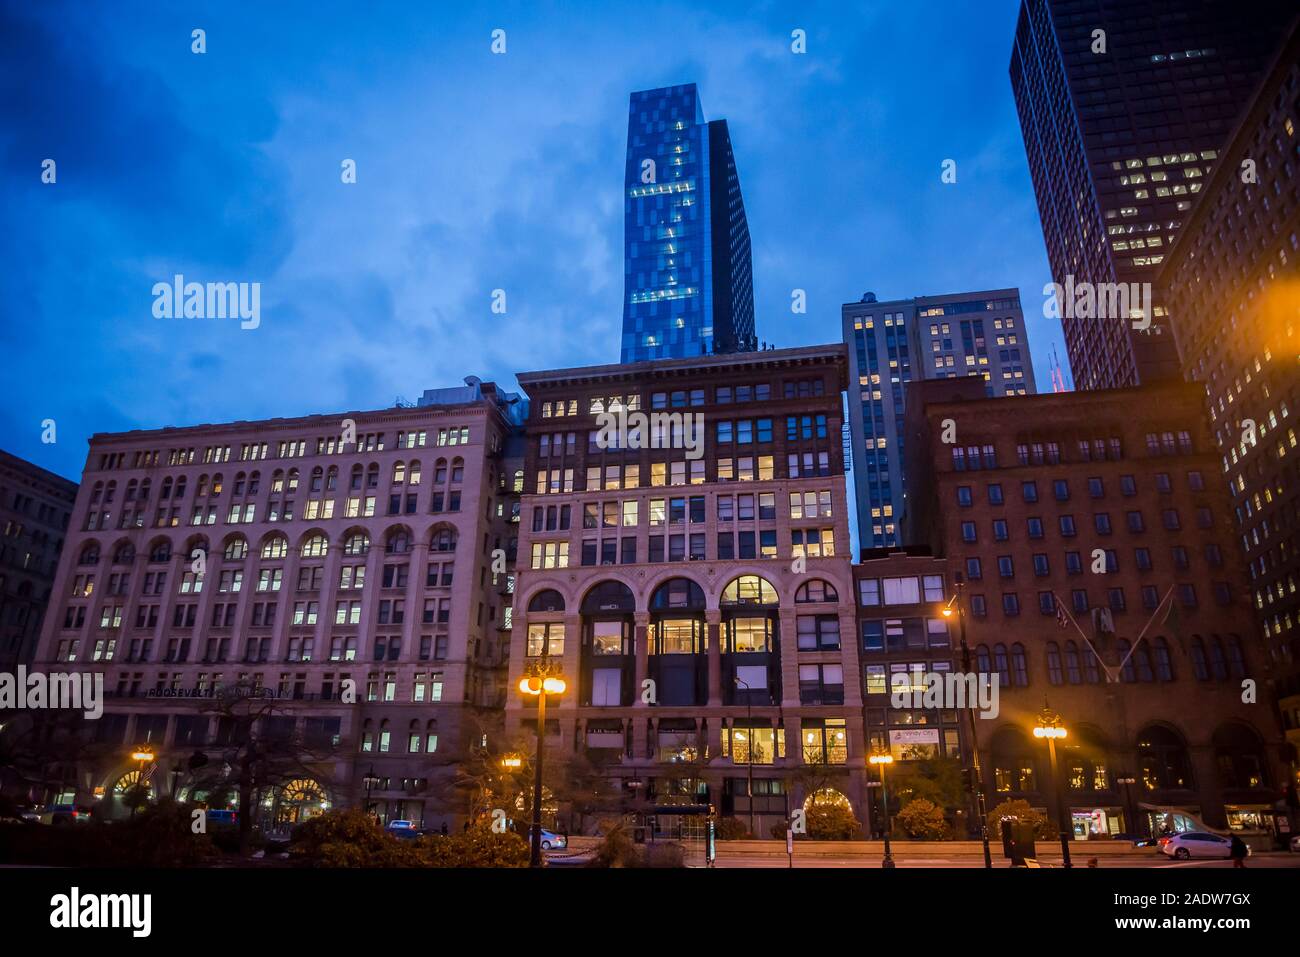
(1049, 727)
(541, 678)
(954, 606)
(145, 757)
(882, 760)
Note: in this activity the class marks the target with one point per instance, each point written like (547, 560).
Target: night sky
(475, 172)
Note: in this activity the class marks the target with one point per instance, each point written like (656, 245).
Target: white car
(1191, 844)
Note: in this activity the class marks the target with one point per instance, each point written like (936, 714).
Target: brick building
(1232, 281)
(700, 606)
(1105, 504)
(35, 506)
(275, 557)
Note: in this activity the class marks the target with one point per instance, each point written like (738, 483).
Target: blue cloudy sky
(475, 172)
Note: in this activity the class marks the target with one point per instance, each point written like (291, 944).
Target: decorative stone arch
(233, 540)
(313, 543)
(1163, 758)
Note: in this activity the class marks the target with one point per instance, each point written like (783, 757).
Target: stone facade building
(1076, 522)
(351, 570)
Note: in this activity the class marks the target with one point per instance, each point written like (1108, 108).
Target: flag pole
(1137, 641)
(1086, 640)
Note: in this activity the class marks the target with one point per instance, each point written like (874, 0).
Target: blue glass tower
(687, 273)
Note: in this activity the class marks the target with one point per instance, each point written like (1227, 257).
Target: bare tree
(262, 748)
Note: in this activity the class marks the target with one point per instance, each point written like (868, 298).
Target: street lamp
(882, 759)
(1049, 727)
(371, 781)
(954, 606)
(145, 757)
(541, 678)
(749, 749)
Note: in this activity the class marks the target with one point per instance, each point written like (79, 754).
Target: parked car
(1196, 844)
(550, 839)
(61, 815)
(402, 829)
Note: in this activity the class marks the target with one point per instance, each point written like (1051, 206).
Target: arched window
(1218, 660)
(1014, 762)
(179, 491)
(275, 546)
(1236, 657)
(368, 735)
(547, 600)
(982, 661)
(1072, 672)
(1142, 662)
(1162, 760)
(89, 554)
(431, 736)
(218, 483)
(413, 472)
(357, 477)
(124, 554)
(372, 475)
(1164, 666)
(358, 543)
(1054, 675)
(457, 470)
(1239, 754)
(816, 590)
(608, 597)
(399, 473)
(440, 472)
(677, 593)
(1019, 666)
(1199, 666)
(236, 549)
(315, 547)
(161, 551)
(385, 736)
(749, 590)
(1126, 672)
(317, 479)
(1001, 665)
(398, 543)
(413, 737)
(165, 492)
(292, 485)
(444, 540)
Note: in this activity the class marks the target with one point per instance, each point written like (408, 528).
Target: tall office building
(35, 506)
(1232, 282)
(688, 280)
(929, 337)
(1119, 143)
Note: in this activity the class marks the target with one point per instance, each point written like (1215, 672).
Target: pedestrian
(1238, 852)
(444, 828)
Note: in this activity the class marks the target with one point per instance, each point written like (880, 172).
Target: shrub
(923, 820)
(477, 847)
(616, 849)
(350, 838)
(1021, 811)
(734, 829)
(830, 822)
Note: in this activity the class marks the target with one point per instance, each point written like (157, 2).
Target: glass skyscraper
(1124, 108)
(688, 280)
(929, 337)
